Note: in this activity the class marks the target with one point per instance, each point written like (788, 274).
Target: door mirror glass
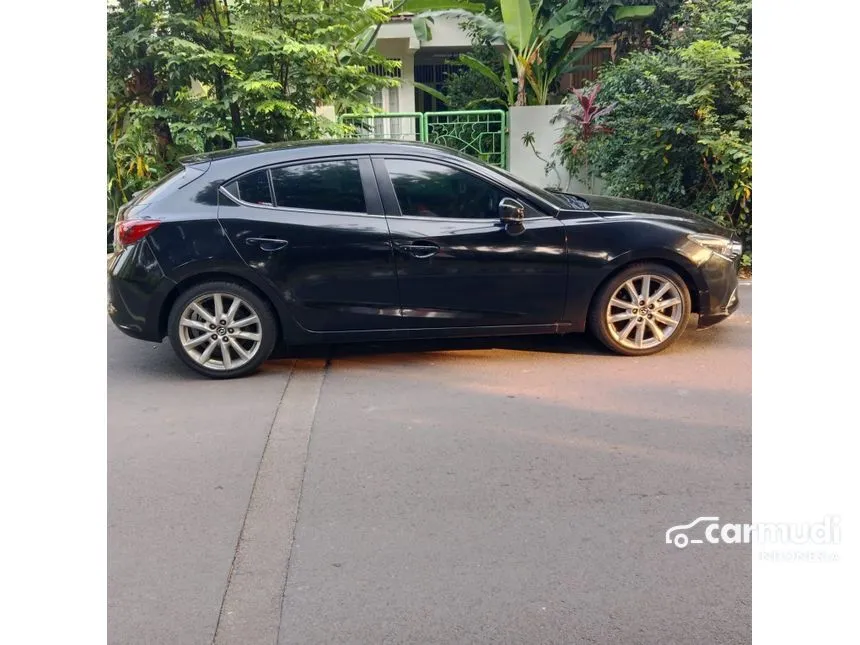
(511, 211)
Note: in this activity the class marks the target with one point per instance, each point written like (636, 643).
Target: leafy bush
(536, 42)
(681, 129)
(469, 89)
(189, 75)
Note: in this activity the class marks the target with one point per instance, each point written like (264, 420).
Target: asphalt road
(498, 491)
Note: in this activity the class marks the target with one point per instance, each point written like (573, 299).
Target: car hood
(619, 207)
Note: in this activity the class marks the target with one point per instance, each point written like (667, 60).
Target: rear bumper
(721, 298)
(137, 288)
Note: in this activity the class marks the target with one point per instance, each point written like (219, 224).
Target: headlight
(724, 247)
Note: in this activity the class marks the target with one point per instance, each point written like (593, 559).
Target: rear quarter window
(172, 181)
(253, 188)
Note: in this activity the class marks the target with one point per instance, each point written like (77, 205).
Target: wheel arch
(221, 274)
(676, 263)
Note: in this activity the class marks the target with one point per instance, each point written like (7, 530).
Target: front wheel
(641, 311)
(221, 329)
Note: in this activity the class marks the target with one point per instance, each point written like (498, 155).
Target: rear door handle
(267, 243)
(418, 249)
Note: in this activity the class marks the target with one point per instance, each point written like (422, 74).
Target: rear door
(458, 265)
(315, 229)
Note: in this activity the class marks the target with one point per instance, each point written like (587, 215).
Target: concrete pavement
(513, 491)
(182, 456)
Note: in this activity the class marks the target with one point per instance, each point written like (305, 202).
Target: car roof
(329, 147)
(236, 161)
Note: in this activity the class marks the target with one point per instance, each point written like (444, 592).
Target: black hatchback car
(240, 250)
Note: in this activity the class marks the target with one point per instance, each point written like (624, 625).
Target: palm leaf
(633, 12)
(432, 91)
(509, 81)
(572, 26)
(481, 68)
(478, 103)
(568, 18)
(417, 6)
(421, 26)
(567, 61)
(518, 19)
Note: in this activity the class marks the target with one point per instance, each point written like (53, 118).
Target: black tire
(268, 329)
(599, 325)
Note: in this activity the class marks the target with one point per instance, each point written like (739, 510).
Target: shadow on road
(572, 344)
(156, 359)
(578, 344)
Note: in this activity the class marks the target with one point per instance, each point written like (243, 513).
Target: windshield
(557, 198)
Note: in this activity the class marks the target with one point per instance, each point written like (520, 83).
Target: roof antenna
(247, 142)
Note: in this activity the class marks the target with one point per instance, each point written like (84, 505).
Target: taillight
(132, 230)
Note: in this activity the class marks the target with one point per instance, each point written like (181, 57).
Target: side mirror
(511, 211)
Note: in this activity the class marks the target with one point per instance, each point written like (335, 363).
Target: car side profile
(347, 241)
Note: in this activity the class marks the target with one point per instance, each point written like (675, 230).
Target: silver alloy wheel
(644, 311)
(220, 331)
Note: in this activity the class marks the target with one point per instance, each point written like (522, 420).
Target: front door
(458, 266)
(316, 231)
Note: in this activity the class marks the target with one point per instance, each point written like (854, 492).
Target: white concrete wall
(445, 32)
(522, 160)
(399, 48)
(397, 40)
(400, 30)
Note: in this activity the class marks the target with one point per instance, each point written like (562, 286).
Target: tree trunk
(236, 117)
(142, 88)
(521, 88)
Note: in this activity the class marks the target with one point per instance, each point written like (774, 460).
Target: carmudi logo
(708, 530)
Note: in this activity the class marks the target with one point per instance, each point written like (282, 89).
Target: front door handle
(269, 244)
(418, 250)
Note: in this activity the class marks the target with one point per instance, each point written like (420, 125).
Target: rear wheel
(641, 311)
(221, 329)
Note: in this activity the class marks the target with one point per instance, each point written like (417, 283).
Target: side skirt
(309, 337)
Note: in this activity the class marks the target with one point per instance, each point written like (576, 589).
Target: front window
(434, 190)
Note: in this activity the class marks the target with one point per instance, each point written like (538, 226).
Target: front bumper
(707, 320)
(720, 299)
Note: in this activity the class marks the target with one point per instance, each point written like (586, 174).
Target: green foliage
(728, 22)
(538, 44)
(519, 23)
(625, 20)
(480, 84)
(190, 75)
(681, 130)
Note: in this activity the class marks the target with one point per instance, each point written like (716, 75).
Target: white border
(53, 456)
(805, 385)
(52, 465)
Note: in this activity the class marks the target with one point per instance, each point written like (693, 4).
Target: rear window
(325, 186)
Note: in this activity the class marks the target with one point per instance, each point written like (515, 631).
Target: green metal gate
(403, 126)
(480, 133)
